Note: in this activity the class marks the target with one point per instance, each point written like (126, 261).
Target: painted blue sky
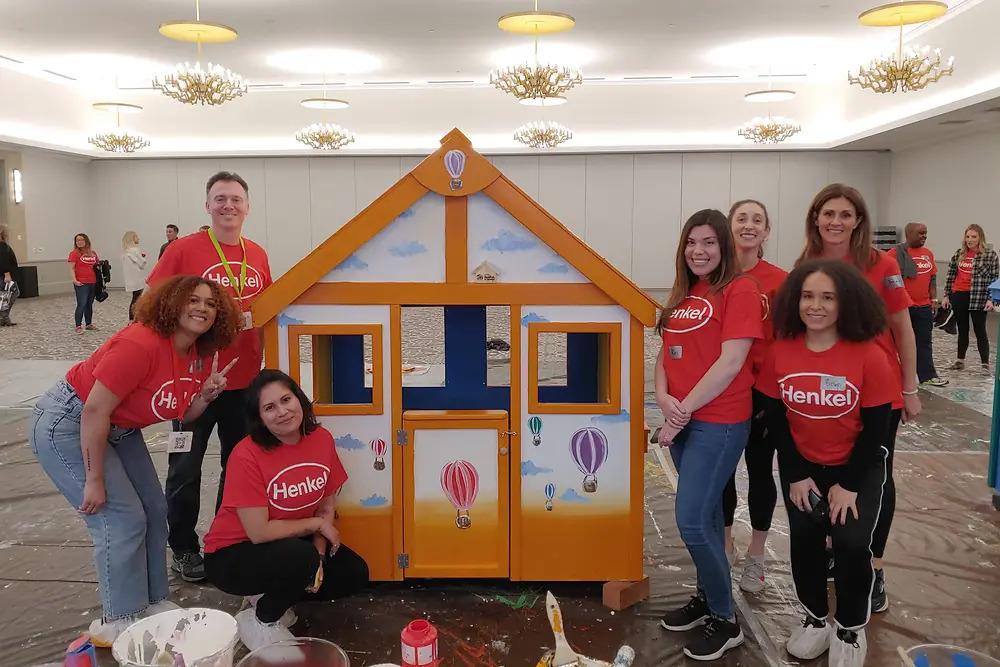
(374, 500)
(352, 262)
(571, 496)
(348, 441)
(554, 267)
(529, 468)
(285, 320)
(507, 241)
(408, 249)
(532, 317)
(620, 418)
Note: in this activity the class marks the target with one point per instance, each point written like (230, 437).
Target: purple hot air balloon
(454, 162)
(589, 449)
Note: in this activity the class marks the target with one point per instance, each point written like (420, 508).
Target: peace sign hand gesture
(215, 384)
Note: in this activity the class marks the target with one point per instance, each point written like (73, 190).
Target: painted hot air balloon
(550, 493)
(589, 449)
(378, 449)
(460, 483)
(454, 162)
(535, 424)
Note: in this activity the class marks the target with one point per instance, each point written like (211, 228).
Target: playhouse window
(574, 368)
(339, 366)
(498, 346)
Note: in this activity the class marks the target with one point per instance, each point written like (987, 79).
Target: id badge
(834, 383)
(247, 320)
(179, 442)
(676, 351)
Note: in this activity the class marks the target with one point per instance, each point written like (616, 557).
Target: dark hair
(258, 432)
(230, 176)
(160, 307)
(174, 227)
(861, 251)
(86, 239)
(767, 218)
(860, 310)
(684, 279)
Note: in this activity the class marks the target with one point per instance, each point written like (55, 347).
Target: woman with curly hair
(85, 433)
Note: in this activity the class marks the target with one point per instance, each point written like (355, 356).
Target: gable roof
(431, 175)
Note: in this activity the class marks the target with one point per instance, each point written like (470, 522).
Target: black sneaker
(190, 565)
(717, 637)
(689, 616)
(829, 564)
(880, 601)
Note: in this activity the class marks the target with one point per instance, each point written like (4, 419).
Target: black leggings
(282, 570)
(131, 307)
(759, 456)
(881, 536)
(960, 304)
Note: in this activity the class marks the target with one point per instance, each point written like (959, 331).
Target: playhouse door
(455, 481)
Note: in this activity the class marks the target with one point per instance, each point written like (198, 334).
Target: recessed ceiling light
(117, 107)
(324, 61)
(543, 101)
(324, 103)
(769, 95)
(536, 23)
(903, 13)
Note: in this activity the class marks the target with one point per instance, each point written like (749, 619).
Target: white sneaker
(288, 619)
(103, 634)
(847, 648)
(255, 634)
(159, 608)
(752, 580)
(809, 640)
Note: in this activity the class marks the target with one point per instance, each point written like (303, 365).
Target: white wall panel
(58, 203)
(610, 195)
(757, 176)
(562, 189)
(522, 170)
(288, 214)
(192, 176)
(331, 196)
(656, 218)
(705, 183)
(372, 177)
(802, 176)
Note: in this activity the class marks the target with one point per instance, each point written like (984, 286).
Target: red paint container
(80, 653)
(419, 641)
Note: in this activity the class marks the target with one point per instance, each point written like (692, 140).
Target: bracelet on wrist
(911, 393)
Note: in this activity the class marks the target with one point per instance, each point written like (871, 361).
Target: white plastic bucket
(941, 655)
(307, 651)
(205, 637)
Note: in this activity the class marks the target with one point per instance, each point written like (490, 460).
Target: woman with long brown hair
(703, 380)
(838, 226)
(82, 261)
(971, 270)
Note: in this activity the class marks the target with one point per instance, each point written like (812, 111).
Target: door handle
(509, 433)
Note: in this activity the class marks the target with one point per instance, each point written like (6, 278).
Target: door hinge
(402, 561)
(402, 439)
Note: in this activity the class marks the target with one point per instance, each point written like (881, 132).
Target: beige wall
(13, 214)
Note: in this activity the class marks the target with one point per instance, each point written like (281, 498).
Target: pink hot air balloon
(460, 483)
(378, 449)
(589, 449)
(454, 162)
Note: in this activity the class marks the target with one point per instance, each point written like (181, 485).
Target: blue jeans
(84, 303)
(706, 455)
(130, 531)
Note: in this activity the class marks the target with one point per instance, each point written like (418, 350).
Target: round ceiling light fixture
(775, 95)
(198, 32)
(536, 22)
(324, 103)
(552, 101)
(903, 13)
(117, 107)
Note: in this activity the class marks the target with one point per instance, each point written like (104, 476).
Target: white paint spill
(655, 524)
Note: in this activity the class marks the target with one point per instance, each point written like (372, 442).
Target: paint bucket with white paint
(204, 637)
(940, 655)
(299, 651)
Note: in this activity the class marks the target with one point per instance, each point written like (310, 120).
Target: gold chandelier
(769, 130)
(191, 84)
(118, 141)
(910, 69)
(542, 134)
(324, 136)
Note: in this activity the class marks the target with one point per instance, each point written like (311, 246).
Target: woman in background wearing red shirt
(703, 382)
(828, 410)
(971, 270)
(85, 432)
(274, 536)
(751, 226)
(82, 260)
(838, 226)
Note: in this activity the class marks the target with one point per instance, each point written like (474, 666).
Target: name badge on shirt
(834, 382)
(247, 320)
(676, 351)
(179, 442)
(894, 281)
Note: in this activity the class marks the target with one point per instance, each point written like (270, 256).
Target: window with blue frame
(574, 367)
(339, 366)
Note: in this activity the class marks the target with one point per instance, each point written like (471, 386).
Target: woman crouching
(274, 538)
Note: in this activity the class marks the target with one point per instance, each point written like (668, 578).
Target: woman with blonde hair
(133, 267)
(971, 270)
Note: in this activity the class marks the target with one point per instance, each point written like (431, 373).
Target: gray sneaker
(752, 580)
(958, 365)
(190, 565)
(935, 382)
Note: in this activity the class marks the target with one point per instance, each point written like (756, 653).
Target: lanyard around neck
(237, 285)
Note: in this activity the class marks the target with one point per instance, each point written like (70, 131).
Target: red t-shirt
(194, 255)
(289, 480)
(83, 266)
(824, 393)
(919, 288)
(963, 277)
(887, 280)
(138, 366)
(692, 342)
(769, 279)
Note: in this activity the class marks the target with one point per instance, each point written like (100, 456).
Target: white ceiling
(398, 106)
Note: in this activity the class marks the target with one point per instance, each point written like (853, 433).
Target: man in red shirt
(920, 279)
(222, 255)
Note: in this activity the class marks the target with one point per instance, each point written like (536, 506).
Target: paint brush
(564, 655)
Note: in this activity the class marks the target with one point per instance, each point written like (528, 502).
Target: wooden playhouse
(532, 472)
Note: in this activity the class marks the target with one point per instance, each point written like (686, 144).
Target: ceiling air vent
(992, 110)
(715, 76)
(13, 60)
(451, 82)
(647, 78)
(64, 76)
(386, 83)
(955, 122)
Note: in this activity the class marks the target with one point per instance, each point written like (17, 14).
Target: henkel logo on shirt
(924, 263)
(693, 313)
(88, 259)
(818, 395)
(965, 265)
(298, 486)
(217, 273)
(164, 401)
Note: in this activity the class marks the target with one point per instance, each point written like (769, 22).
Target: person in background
(703, 379)
(260, 545)
(919, 270)
(82, 260)
(133, 268)
(971, 270)
(8, 268)
(750, 227)
(86, 434)
(839, 227)
(240, 266)
(172, 232)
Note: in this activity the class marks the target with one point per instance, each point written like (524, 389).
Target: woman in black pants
(971, 270)
(274, 538)
(828, 406)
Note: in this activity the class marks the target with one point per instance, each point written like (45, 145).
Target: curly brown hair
(160, 306)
